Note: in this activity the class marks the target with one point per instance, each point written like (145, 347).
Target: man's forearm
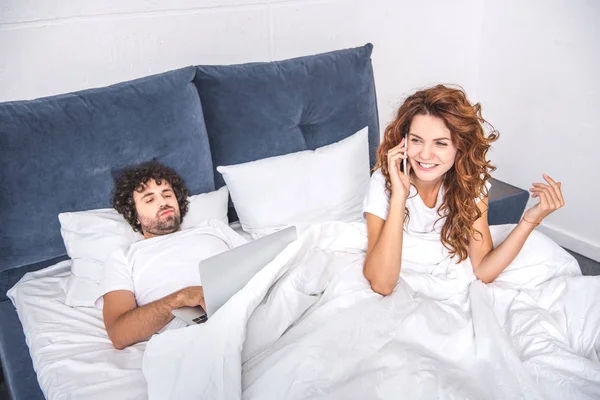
(142, 322)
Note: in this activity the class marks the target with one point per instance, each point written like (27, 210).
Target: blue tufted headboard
(260, 110)
(59, 153)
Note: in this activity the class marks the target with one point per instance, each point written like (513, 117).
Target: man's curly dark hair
(134, 178)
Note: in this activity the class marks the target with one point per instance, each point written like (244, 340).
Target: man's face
(157, 209)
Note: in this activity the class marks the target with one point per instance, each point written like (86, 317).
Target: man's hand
(191, 296)
(126, 323)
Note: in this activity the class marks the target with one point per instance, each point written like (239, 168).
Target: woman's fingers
(553, 190)
(395, 160)
(556, 188)
(399, 153)
(394, 164)
(544, 194)
(401, 147)
(550, 198)
(546, 201)
(562, 199)
(554, 201)
(396, 150)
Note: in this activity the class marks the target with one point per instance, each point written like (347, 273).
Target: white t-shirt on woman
(422, 219)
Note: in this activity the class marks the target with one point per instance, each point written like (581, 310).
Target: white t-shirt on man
(422, 219)
(156, 267)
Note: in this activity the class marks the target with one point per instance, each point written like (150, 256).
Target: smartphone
(405, 153)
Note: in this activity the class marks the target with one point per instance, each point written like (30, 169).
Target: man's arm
(126, 323)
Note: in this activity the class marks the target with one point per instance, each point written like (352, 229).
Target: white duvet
(71, 352)
(309, 327)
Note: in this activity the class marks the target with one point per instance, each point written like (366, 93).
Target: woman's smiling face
(431, 152)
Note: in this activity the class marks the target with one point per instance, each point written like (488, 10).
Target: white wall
(539, 83)
(56, 46)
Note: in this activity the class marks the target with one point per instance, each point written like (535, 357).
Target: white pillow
(90, 237)
(202, 207)
(304, 188)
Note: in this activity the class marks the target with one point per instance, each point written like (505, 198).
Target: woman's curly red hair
(465, 181)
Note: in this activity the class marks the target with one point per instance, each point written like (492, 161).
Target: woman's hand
(400, 181)
(551, 199)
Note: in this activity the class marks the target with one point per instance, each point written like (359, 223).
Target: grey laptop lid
(225, 274)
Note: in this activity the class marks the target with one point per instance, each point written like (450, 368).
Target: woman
(444, 189)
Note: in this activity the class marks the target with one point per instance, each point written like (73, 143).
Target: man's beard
(161, 225)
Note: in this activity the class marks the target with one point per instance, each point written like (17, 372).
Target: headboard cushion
(59, 153)
(258, 110)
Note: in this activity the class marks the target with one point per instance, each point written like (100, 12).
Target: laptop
(226, 273)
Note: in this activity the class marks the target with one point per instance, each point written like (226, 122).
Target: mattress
(70, 350)
(21, 381)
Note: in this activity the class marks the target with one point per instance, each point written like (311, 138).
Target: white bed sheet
(237, 227)
(71, 352)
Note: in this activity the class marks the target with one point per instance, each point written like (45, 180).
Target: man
(145, 282)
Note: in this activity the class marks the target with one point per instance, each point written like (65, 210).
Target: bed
(60, 153)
